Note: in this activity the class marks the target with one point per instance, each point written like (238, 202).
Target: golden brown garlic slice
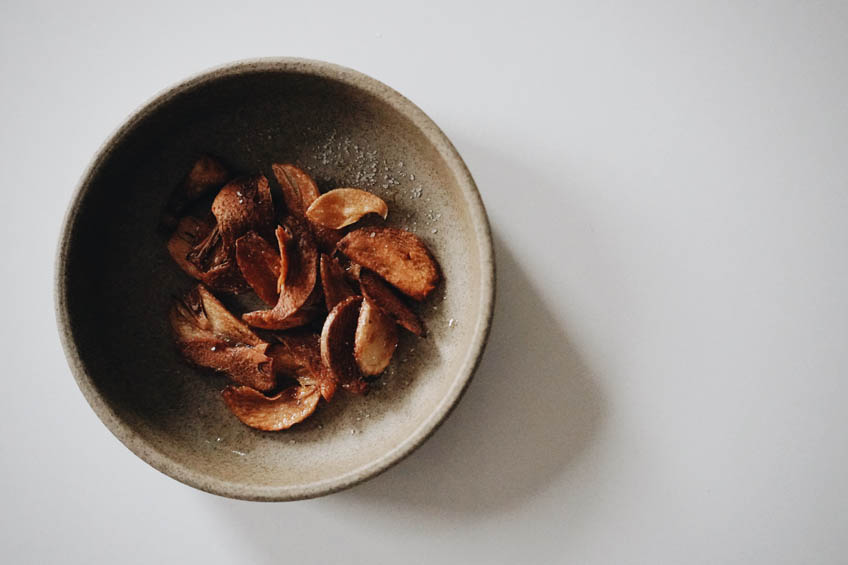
(333, 282)
(380, 293)
(189, 232)
(344, 206)
(298, 354)
(299, 190)
(271, 414)
(301, 276)
(208, 335)
(400, 257)
(242, 205)
(337, 342)
(201, 311)
(375, 340)
(244, 364)
(260, 264)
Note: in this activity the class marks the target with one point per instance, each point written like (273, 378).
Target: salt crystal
(434, 230)
(213, 348)
(451, 322)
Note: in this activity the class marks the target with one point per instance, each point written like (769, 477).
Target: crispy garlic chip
(189, 232)
(333, 282)
(298, 354)
(299, 190)
(398, 256)
(206, 174)
(260, 264)
(344, 206)
(209, 336)
(377, 291)
(216, 269)
(274, 413)
(305, 315)
(375, 340)
(242, 205)
(301, 275)
(337, 338)
(244, 364)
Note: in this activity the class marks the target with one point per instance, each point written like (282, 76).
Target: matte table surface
(666, 378)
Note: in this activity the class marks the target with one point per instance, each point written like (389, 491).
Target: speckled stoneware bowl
(115, 279)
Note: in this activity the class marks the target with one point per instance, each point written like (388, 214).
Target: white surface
(666, 379)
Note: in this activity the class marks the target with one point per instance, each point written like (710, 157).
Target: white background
(667, 376)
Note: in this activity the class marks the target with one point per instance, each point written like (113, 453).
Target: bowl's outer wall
(116, 280)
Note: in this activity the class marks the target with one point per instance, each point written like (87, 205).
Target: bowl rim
(483, 238)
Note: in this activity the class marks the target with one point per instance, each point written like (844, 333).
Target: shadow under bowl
(115, 280)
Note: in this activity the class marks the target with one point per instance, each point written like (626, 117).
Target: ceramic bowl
(115, 280)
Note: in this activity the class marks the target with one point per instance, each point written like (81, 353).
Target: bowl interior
(118, 280)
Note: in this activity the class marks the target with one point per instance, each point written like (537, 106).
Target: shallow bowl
(115, 280)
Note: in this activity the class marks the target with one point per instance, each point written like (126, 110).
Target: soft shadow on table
(531, 410)
(534, 406)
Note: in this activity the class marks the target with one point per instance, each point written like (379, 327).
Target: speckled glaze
(115, 280)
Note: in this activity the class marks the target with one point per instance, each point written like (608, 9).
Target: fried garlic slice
(260, 264)
(243, 205)
(189, 232)
(333, 282)
(298, 354)
(274, 413)
(375, 339)
(337, 339)
(400, 257)
(299, 190)
(301, 275)
(380, 293)
(208, 335)
(344, 206)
